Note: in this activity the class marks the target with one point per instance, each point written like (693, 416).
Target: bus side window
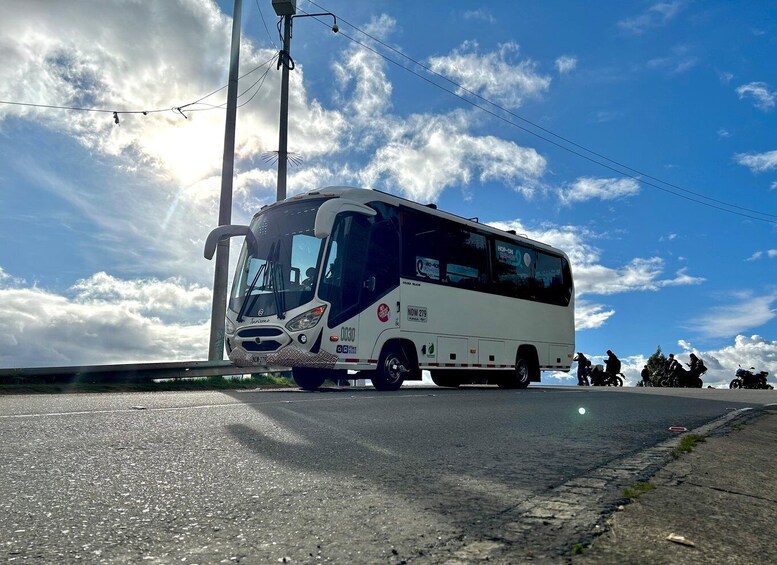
(553, 280)
(513, 269)
(467, 257)
(420, 246)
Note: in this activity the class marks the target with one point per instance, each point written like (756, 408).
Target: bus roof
(371, 195)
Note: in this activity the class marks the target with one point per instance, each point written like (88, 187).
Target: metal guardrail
(136, 372)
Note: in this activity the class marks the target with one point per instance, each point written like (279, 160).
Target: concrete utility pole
(219, 308)
(287, 9)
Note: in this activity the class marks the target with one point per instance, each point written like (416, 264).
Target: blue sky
(102, 225)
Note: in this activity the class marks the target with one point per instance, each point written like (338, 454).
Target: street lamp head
(335, 29)
(285, 7)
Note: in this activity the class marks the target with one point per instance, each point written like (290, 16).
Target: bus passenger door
(380, 289)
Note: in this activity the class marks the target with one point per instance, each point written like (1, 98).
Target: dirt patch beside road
(721, 497)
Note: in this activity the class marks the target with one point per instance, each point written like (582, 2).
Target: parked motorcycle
(678, 377)
(599, 377)
(750, 379)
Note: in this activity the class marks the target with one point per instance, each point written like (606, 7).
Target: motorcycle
(599, 377)
(750, 379)
(678, 377)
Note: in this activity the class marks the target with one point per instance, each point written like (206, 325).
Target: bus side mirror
(224, 232)
(325, 217)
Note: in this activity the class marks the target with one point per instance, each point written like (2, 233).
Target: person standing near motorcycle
(645, 374)
(697, 366)
(612, 364)
(583, 366)
(669, 364)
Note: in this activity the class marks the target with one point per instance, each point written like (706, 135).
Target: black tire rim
(391, 369)
(522, 372)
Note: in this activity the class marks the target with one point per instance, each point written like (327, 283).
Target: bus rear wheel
(518, 379)
(308, 379)
(391, 370)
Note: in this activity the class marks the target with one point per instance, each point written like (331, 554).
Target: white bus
(348, 279)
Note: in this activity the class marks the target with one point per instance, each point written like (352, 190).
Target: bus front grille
(260, 332)
(269, 345)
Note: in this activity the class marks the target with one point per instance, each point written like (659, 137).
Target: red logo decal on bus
(383, 312)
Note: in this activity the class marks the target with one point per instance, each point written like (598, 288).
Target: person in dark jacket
(612, 364)
(645, 374)
(583, 366)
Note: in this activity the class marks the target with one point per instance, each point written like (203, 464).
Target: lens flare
(581, 411)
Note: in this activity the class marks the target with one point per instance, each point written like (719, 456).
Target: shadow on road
(469, 456)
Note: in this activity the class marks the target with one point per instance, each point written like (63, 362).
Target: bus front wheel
(307, 379)
(391, 370)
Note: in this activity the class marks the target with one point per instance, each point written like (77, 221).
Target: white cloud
(763, 98)
(770, 253)
(480, 14)
(755, 256)
(426, 154)
(747, 313)
(495, 75)
(146, 55)
(104, 320)
(656, 15)
(591, 316)
(723, 133)
(758, 162)
(676, 63)
(587, 188)
(773, 186)
(752, 351)
(566, 64)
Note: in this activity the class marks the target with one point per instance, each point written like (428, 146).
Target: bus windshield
(281, 273)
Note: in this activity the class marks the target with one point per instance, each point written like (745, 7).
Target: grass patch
(636, 490)
(578, 549)
(687, 444)
(209, 383)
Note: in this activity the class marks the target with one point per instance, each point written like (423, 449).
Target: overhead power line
(195, 106)
(265, 25)
(637, 175)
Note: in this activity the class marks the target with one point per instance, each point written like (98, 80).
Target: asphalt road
(422, 475)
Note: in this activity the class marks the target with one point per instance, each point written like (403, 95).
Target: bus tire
(308, 379)
(391, 370)
(520, 378)
(446, 379)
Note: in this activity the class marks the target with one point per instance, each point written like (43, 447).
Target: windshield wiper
(243, 306)
(276, 277)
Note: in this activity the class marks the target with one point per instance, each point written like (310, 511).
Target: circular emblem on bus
(383, 312)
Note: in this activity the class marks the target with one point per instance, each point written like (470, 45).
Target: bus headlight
(229, 327)
(307, 320)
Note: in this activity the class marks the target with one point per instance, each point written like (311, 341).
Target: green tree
(655, 365)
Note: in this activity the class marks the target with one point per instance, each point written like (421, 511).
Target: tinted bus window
(514, 269)
(421, 255)
(466, 261)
